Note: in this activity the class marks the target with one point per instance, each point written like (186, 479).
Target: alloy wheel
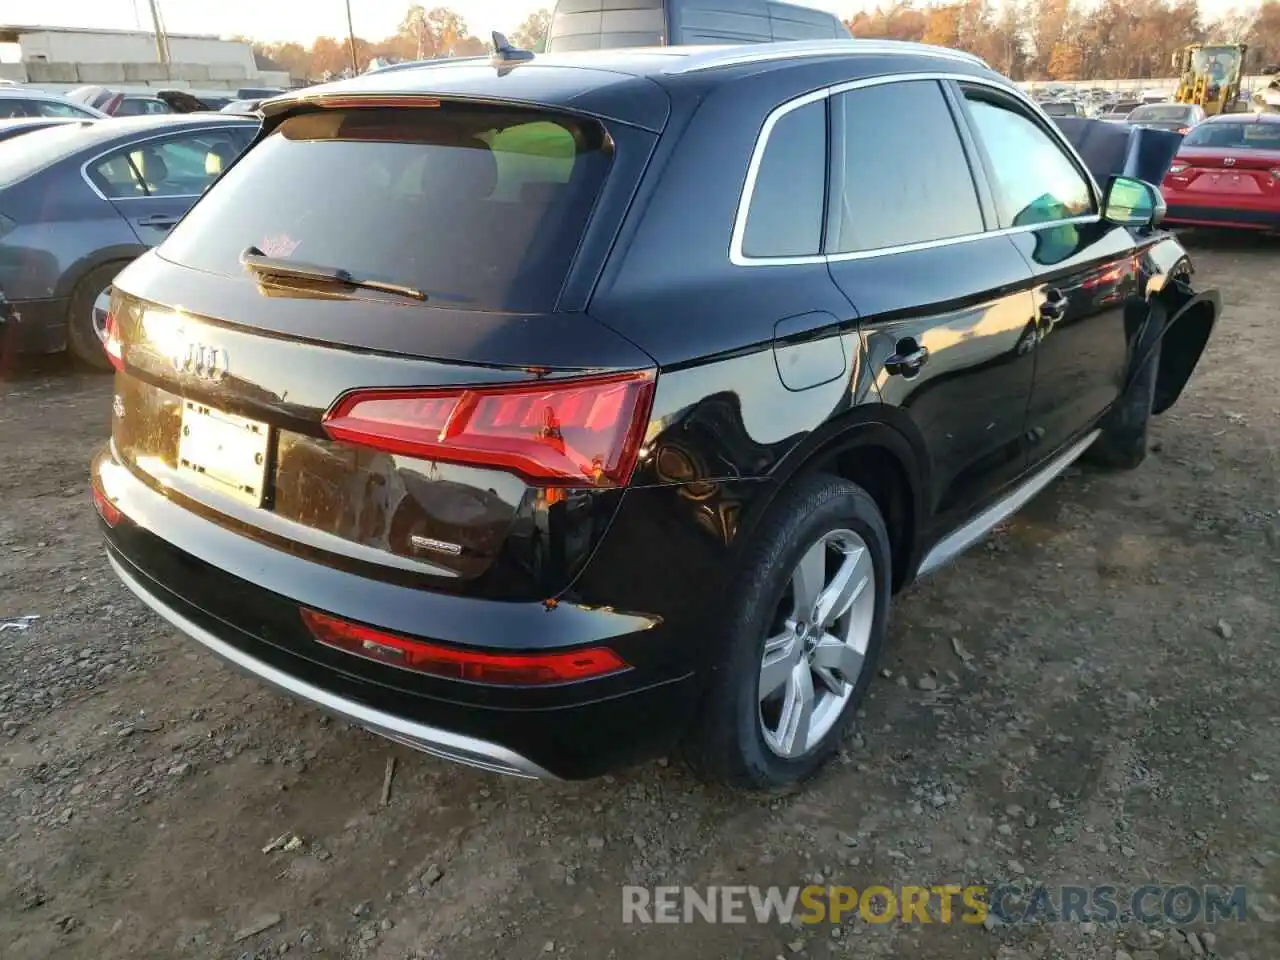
(101, 308)
(816, 651)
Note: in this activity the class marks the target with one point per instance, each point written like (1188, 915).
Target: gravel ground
(1092, 696)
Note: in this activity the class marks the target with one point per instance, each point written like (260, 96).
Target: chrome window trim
(739, 54)
(84, 167)
(740, 259)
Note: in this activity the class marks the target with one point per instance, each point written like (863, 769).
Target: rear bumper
(433, 740)
(1238, 216)
(241, 600)
(41, 325)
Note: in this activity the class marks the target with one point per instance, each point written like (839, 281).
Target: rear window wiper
(254, 259)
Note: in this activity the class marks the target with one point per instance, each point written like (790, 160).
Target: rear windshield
(1060, 109)
(1160, 114)
(477, 206)
(1235, 136)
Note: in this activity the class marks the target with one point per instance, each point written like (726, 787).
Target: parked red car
(1227, 174)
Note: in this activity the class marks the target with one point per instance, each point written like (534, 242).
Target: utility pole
(351, 39)
(162, 47)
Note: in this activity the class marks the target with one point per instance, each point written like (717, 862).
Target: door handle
(907, 359)
(160, 221)
(1054, 306)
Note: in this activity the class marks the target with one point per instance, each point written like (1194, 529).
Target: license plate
(224, 452)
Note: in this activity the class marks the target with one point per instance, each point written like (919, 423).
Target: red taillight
(517, 669)
(106, 509)
(579, 432)
(1184, 130)
(111, 343)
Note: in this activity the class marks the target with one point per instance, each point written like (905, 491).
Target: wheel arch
(878, 448)
(1189, 319)
(124, 254)
(1192, 318)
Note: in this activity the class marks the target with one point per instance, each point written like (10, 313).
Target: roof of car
(1243, 118)
(627, 84)
(8, 123)
(123, 127)
(29, 93)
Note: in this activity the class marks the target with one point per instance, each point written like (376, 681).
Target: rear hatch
(1213, 172)
(1236, 158)
(354, 348)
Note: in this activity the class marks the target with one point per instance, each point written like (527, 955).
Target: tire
(82, 338)
(738, 739)
(1123, 442)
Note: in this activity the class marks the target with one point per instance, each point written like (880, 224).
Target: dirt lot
(1109, 711)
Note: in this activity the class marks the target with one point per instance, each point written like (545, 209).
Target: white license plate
(224, 452)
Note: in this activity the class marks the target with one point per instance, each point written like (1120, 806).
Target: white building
(59, 56)
(80, 45)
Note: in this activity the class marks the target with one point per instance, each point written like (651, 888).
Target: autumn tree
(942, 25)
(1064, 61)
(532, 34)
(435, 32)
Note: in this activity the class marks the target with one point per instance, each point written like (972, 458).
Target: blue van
(605, 24)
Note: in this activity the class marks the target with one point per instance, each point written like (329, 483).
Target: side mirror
(1132, 203)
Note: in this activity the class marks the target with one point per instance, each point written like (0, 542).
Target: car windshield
(1219, 62)
(1235, 136)
(32, 152)
(1060, 109)
(1160, 114)
(479, 206)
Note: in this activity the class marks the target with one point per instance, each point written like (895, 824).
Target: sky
(303, 20)
(300, 20)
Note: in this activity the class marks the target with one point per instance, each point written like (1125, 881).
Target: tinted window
(141, 106)
(1235, 136)
(478, 206)
(181, 166)
(899, 174)
(1035, 180)
(1160, 114)
(55, 108)
(13, 107)
(785, 218)
(1060, 109)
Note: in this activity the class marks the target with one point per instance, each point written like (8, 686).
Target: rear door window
(53, 108)
(178, 166)
(785, 216)
(899, 173)
(477, 206)
(11, 107)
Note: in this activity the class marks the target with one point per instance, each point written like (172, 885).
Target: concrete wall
(113, 47)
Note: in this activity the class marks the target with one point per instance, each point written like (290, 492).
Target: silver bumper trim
(439, 743)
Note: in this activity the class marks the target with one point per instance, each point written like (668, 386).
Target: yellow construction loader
(1210, 75)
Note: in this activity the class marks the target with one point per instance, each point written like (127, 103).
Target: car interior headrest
(470, 172)
(218, 158)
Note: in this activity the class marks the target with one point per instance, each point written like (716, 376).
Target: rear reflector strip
(534, 669)
(107, 510)
(583, 431)
(111, 342)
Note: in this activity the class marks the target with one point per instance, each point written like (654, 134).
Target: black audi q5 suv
(549, 413)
